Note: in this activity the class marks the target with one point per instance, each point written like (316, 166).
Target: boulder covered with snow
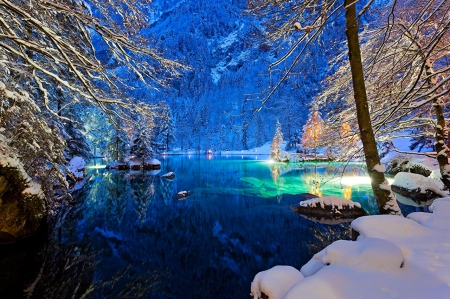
(76, 167)
(21, 202)
(168, 176)
(275, 282)
(117, 165)
(418, 164)
(417, 187)
(182, 195)
(152, 164)
(136, 163)
(329, 208)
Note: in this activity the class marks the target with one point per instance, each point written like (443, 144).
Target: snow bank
(76, 167)
(152, 161)
(370, 254)
(333, 201)
(275, 282)
(438, 219)
(412, 181)
(393, 257)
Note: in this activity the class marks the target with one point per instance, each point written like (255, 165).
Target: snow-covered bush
(32, 138)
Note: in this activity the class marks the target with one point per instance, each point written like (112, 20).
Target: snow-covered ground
(262, 150)
(394, 257)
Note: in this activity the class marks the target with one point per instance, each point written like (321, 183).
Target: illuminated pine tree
(275, 151)
(313, 131)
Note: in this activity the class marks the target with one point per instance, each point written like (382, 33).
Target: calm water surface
(125, 236)
(211, 244)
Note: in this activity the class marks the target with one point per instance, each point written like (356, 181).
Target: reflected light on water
(358, 180)
(96, 167)
(348, 192)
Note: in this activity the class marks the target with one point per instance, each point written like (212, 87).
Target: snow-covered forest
(127, 80)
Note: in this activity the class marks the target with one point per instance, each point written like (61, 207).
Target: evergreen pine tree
(294, 141)
(166, 134)
(312, 131)
(275, 151)
(142, 139)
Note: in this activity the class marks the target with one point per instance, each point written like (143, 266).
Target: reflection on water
(138, 241)
(236, 223)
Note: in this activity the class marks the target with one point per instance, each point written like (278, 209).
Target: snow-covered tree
(34, 141)
(275, 148)
(297, 25)
(407, 76)
(295, 141)
(313, 131)
(77, 143)
(54, 42)
(165, 129)
(142, 138)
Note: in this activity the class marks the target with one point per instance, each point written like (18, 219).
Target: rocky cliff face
(21, 205)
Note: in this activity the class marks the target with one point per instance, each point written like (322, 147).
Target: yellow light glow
(96, 166)
(357, 180)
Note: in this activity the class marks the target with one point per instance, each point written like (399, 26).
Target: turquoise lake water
(238, 222)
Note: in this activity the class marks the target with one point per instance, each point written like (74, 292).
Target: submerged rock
(330, 209)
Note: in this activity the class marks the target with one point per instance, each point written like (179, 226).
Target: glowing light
(96, 166)
(270, 161)
(348, 192)
(357, 180)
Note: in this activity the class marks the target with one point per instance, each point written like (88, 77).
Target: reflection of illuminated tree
(314, 180)
(348, 192)
(275, 172)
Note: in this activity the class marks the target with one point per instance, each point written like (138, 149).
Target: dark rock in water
(294, 199)
(417, 195)
(118, 165)
(329, 209)
(20, 213)
(168, 176)
(304, 196)
(182, 195)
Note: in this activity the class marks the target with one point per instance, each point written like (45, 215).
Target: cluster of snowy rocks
(393, 257)
(417, 179)
(135, 164)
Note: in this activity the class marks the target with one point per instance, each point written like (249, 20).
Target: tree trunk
(385, 198)
(441, 148)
